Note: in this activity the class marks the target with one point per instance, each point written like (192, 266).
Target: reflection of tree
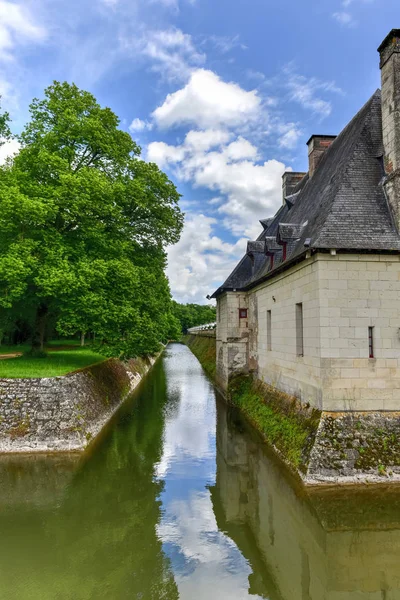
(102, 542)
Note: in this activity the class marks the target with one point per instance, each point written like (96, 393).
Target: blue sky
(222, 94)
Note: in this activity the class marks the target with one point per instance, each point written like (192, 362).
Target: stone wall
(64, 413)
(232, 337)
(357, 292)
(341, 296)
(280, 366)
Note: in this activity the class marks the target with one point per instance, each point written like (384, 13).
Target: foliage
(279, 418)
(84, 223)
(190, 315)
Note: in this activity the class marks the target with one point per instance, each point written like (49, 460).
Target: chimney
(289, 181)
(389, 52)
(317, 146)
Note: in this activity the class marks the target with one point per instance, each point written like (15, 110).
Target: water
(179, 498)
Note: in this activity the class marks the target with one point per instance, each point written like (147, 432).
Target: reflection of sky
(206, 563)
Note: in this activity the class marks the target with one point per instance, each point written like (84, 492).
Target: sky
(222, 94)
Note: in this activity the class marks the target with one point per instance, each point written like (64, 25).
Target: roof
(343, 206)
(317, 135)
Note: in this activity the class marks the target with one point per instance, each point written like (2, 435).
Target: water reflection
(328, 546)
(97, 539)
(206, 562)
(179, 499)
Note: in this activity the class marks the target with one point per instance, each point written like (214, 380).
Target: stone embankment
(62, 414)
(323, 448)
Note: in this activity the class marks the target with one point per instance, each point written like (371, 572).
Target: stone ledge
(356, 447)
(63, 414)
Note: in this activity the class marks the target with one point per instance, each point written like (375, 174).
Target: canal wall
(323, 448)
(202, 344)
(62, 414)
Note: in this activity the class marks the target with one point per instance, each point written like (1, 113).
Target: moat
(179, 498)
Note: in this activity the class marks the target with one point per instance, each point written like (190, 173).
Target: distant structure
(313, 308)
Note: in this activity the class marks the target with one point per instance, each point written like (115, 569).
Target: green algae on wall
(204, 348)
(283, 421)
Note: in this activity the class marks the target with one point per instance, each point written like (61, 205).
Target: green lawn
(58, 362)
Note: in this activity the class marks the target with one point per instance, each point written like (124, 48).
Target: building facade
(313, 308)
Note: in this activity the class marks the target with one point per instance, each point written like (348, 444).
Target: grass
(204, 348)
(57, 362)
(281, 420)
(14, 349)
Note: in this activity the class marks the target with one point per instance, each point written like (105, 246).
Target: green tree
(191, 315)
(84, 223)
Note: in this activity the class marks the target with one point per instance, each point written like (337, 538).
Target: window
(242, 313)
(269, 331)
(371, 341)
(299, 330)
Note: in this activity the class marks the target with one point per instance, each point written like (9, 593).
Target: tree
(191, 315)
(84, 223)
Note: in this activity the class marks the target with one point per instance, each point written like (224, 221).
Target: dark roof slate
(343, 206)
(257, 246)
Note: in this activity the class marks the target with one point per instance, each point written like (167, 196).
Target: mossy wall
(285, 423)
(64, 413)
(204, 348)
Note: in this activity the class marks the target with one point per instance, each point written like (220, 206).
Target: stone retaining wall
(64, 413)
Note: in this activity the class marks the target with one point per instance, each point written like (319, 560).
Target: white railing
(208, 329)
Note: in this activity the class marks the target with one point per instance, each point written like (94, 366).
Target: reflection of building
(313, 307)
(325, 547)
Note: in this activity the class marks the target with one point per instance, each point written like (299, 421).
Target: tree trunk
(82, 338)
(40, 327)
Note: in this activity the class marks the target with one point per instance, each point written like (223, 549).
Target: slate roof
(343, 206)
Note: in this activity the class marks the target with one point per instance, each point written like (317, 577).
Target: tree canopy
(191, 315)
(84, 223)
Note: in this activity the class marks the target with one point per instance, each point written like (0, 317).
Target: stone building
(313, 308)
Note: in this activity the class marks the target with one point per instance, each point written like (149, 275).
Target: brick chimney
(317, 146)
(289, 181)
(389, 52)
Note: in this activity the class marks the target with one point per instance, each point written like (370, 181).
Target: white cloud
(200, 260)
(162, 154)
(8, 149)
(17, 25)
(226, 43)
(172, 52)
(290, 137)
(139, 125)
(249, 190)
(344, 18)
(204, 140)
(207, 101)
(306, 91)
(240, 149)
